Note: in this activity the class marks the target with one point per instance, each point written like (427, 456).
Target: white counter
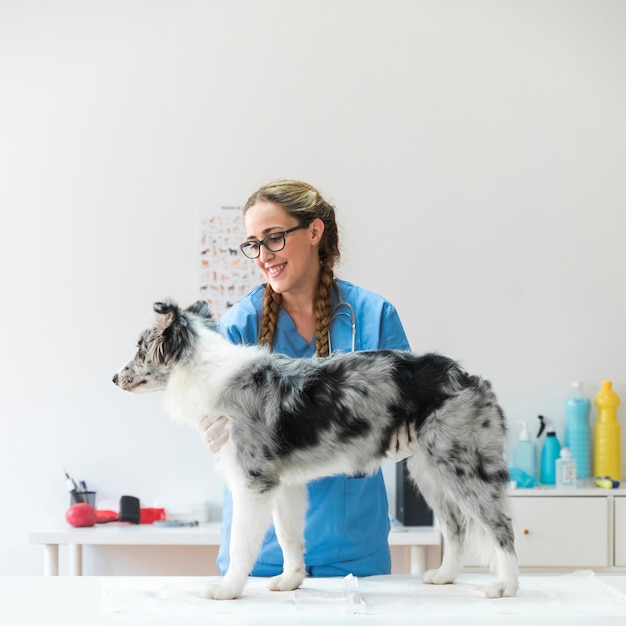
(116, 534)
(579, 598)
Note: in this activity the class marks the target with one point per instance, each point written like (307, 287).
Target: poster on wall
(224, 273)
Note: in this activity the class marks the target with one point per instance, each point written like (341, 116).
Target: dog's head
(171, 340)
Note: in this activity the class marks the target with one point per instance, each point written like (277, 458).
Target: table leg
(51, 559)
(76, 559)
(418, 559)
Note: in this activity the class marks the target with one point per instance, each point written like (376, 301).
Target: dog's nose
(115, 378)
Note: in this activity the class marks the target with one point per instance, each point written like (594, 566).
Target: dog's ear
(167, 312)
(174, 334)
(200, 308)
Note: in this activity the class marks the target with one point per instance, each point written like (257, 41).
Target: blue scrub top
(347, 523)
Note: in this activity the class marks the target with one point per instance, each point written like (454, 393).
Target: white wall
(475, 151)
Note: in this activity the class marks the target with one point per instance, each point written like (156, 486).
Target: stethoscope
(347, 312)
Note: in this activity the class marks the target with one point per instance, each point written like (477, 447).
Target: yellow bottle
(607, 436)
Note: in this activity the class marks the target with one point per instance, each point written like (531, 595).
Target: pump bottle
(525, 454)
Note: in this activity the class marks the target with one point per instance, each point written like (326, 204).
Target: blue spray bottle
(550, 452)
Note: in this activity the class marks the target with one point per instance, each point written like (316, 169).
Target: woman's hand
(213, 432)
(403, 443)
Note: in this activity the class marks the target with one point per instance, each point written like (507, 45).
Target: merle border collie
(293, 420)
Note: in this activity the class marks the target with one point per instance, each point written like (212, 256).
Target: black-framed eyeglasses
(274, 242)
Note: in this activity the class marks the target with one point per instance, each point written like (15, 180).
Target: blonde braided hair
(306, 204)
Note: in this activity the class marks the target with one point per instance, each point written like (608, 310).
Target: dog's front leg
(251, 517)
(289, 510)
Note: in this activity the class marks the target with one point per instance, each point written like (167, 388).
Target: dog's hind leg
(451, 518)
(507, 582)
(453, 525)
(480, 504)
(289, 511)
(498, 526)
(252, 513)
(477, 503)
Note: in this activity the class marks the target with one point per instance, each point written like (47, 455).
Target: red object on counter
(103, 516)
(80, 515)
(83, 514)
(147, 516)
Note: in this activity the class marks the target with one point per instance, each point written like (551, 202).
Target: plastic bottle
(549, 454)
(577, 432)
(607, 435)
(566, 470)
(525, 453)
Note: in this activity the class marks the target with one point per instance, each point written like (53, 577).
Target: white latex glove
(213, 432)
(403, 443)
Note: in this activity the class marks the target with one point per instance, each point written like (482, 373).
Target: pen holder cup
(83, 496)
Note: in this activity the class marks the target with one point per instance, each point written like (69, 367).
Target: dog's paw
(285, 582)
(219, 591)
(502, 589)
(438, 577)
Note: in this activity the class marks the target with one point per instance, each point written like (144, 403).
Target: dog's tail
(479, 548)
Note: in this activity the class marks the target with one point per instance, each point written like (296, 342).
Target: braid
(269, 317)
(323, 310)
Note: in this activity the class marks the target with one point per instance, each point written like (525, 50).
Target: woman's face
(296, 267)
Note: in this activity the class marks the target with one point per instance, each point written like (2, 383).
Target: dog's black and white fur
(293, 420)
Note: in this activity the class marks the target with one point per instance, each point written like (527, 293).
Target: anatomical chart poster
(225, 274)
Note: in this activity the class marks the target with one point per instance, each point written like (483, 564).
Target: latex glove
(213, 432)
(403, 443)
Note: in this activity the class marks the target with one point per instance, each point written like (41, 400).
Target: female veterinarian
(304, 310)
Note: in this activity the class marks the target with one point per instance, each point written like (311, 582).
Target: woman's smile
(273, 271)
